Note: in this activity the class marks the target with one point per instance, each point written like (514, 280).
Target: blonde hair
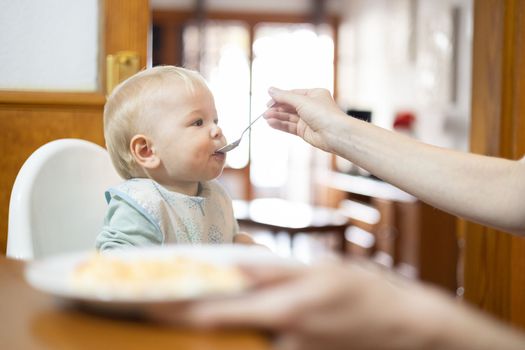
(126, 111)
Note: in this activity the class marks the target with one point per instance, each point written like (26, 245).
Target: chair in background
(361, 234)
(57, 204)
(277, 216)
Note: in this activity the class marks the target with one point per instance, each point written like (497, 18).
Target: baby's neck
(187, 188)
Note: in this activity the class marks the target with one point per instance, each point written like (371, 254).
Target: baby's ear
(143, 152)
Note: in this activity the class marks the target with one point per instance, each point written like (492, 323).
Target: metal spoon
(234, 144)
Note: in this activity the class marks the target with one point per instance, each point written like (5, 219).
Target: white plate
(54, 275)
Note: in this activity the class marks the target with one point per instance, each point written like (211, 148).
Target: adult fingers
(281, 114)
(255, 308)
(288, 341)
(274, 304)
(301, 91)
(293, 98)
(269, 308)
(265, 274)
(283, 126)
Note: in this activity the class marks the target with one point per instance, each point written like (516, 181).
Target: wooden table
(30, 319)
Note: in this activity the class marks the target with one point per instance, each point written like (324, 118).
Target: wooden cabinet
(412, 237)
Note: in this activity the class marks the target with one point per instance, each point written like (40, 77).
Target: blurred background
(404, 65)
(386, 57)
(447, 72)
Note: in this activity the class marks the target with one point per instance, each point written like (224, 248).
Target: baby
(161, 130)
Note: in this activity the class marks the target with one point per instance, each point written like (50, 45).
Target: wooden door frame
(494, 262)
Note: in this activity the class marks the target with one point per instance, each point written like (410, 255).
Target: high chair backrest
(57, 204)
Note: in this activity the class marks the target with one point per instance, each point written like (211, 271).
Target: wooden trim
(170, 16)
(31, 98)
(486, 77)
(494, 261)
(129, 30)
(508, 81)
(518, 101)
(437, 248)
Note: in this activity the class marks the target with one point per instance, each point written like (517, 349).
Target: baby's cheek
(202, 152)
(197, 159)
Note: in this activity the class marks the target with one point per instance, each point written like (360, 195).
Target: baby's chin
(212, 174)
(218, 173)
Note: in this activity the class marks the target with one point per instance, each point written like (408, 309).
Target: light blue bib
(206, 218)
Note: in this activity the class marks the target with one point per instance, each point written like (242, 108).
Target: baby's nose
(216, 131)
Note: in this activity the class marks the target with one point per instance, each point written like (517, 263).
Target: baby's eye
(216, 121)
(199, 122)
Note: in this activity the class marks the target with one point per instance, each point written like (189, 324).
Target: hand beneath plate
(243, 238)
(346, 305)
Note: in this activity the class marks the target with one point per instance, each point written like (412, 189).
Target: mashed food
(108, 276)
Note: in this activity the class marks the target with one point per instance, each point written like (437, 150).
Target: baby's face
(186, 136)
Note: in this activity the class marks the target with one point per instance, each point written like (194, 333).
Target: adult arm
(483, 189)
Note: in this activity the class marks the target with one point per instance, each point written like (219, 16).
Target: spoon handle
(249, 126)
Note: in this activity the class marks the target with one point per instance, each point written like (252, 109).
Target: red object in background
(404, 120)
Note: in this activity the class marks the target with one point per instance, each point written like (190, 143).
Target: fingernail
(272, 90)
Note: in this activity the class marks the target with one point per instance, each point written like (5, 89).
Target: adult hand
(310, 114)
(331, 306)
(243, 238)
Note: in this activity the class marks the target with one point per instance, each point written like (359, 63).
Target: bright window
(225, 64)
(285, 55)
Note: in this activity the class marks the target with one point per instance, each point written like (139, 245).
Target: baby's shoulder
(137, 189)
(138, 183)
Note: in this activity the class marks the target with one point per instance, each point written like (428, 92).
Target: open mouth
(219, 152)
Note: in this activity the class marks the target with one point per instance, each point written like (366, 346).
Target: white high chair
(57, 203)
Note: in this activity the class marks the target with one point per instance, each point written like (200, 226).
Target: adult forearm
(464, 329)
(433, 320)
(483, 189)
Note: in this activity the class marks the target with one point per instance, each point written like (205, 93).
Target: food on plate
(114, 276)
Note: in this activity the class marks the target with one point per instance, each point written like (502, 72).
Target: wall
(400, 55)
(49, 45)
